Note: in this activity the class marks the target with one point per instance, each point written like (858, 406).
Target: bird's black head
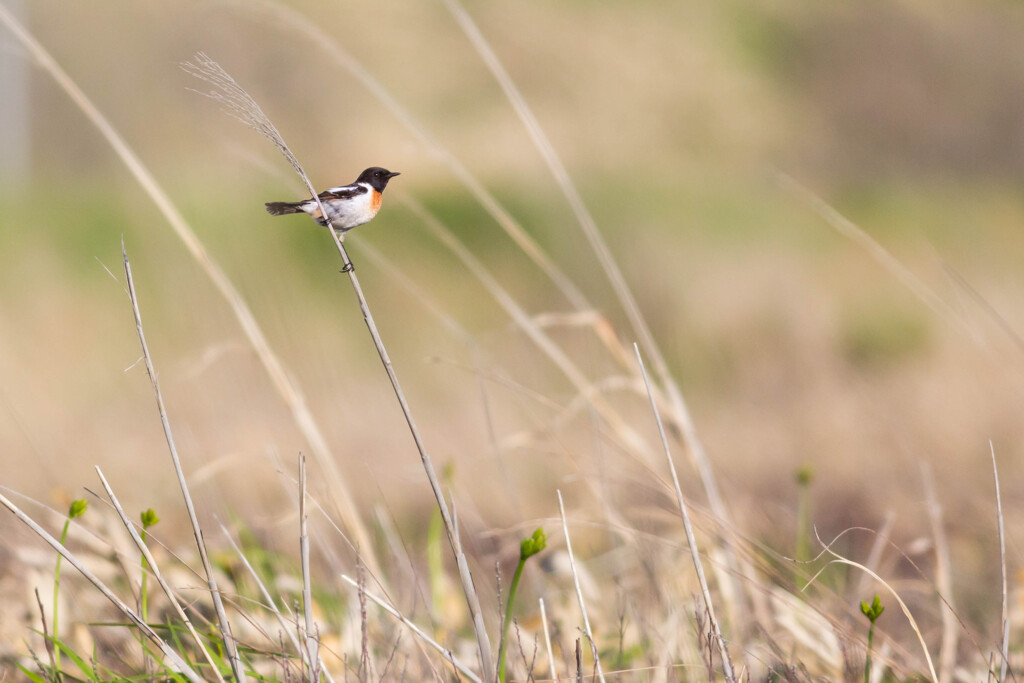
(376, 177)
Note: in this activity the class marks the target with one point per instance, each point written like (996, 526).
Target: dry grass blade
(279, 376)
(561, 175)
(877, 548)
(312, 645)
(448, 655)
(176, 662)
(852, 231)
(547, 641)
(985, 305)
(451, 528)
(579, 595)
(219, 78)
(690, 538)
(1005, 650)
(211, 581)
(155, 569)
(943, 579)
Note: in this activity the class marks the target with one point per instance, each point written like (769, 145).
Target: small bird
(348, 206)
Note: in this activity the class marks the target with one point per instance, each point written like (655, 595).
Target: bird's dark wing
(345, 192)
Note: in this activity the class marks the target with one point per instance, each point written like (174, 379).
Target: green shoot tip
(533, 545)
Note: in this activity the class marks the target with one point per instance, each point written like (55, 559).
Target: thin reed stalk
(943, 579)
(312, 643)
(847, 228)
(1005, 648)
(155, 569)
(241, 105)
(579, 597)
(691, 539)
(882, 539)
(211, 580)
(176, 664)
(547, 641)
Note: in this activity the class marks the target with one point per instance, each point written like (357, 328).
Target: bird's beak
(392, 174)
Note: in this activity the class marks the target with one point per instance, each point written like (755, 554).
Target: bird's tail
(283, 208)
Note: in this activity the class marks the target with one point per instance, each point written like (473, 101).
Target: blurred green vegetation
(884, 335)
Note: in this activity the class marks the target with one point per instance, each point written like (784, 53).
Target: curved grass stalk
(211, 581)
(691, 539)
(839, 559)
(579, 595)
(241, 105)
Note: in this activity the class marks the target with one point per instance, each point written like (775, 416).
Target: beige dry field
(883, 361)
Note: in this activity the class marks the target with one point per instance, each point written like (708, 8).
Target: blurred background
(678, 122)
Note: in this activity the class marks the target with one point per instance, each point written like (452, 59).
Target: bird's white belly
(349, 213)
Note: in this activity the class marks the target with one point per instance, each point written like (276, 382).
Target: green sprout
(76, 509)
(872, 612)
(527, 548)
(149, 519)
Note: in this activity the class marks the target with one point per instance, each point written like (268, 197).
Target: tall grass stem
(943, 579)
(211, 581)
(1005, 645)
(241, 105)
(312, 644)
(579, 594)
(547, 641)
(691, 539)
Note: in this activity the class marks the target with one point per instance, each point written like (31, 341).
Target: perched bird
(347, 206)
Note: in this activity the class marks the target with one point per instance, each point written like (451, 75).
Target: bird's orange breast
(375, 201)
